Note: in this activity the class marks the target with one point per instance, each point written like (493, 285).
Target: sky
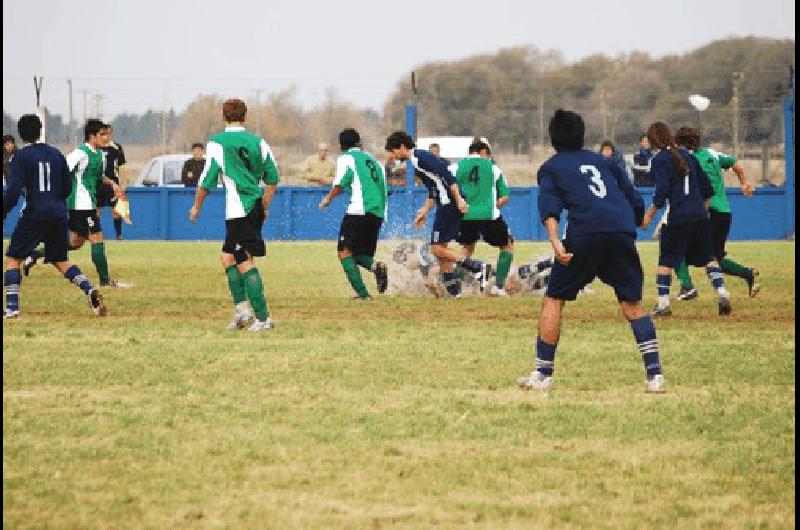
(146, 54)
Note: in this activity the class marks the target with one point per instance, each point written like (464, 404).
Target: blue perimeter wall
(162, 213)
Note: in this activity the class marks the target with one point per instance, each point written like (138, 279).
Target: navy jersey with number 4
(434, 174)
(596, 193)
(39, 170)
(685, 193)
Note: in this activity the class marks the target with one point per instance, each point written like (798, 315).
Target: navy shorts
(30, 232)
(611, 257)
(691, 241)
(446, 224)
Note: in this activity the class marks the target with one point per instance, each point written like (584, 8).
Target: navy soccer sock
(451, 283)
(645, 333)
(717, 280)
(118, 227)
(74, 275)
(11, 280)
(545, 357)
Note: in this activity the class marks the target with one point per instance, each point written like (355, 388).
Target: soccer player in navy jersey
(681, 182)
(443, 192)
(603, 211)
(40, 171)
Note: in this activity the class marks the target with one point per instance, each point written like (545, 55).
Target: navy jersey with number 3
(596, 193)
(40, 171)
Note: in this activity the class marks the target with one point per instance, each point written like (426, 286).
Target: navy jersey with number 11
(596, 193)
(40, 171)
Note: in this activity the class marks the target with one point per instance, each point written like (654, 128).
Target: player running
(485, 191)
(360, 174)
(113, 160)
(40, 171)
(243, 161)
(713, 164)
(602, 214)
(443, 192)
(687, 233)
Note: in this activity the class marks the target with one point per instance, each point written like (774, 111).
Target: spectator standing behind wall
(396, 171)
(9, 148)
(193, 168)
(319, 168)
(641, 163)
(608, 150)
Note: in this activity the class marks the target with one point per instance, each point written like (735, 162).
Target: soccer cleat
(485, 274)
(11, 313)
(96, 303)
(655, 384)
(381, 276)
(115, 283)
(240, 320)
(536, 381)
(725, 307)
(662, 311)
(497, 291)
(119, 238)
(29, 263)
(261, 325)
(688, 294)
(359, 298)
(752, 287)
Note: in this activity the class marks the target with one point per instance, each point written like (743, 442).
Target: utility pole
(98, 106)
(258, 92)
(71, 115)
(37, 85)
(84, 105)
(541, 119)
(737, 78)
(604, 111)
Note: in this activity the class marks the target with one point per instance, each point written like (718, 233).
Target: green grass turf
(398, 413)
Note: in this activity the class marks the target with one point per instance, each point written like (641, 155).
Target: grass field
(398, 413)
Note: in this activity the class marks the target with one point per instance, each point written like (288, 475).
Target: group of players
(603, 213)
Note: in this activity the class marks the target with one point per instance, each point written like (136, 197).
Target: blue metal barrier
(162, 213)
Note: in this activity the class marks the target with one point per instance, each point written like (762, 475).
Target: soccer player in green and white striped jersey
(242, 160)
(360, 174)
(486, 191)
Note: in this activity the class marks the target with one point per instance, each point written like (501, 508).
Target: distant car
(453, 148)
(163, 170)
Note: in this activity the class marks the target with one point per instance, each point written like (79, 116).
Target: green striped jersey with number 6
(242, 160)
(364, 178)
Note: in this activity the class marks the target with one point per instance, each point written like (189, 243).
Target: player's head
(661, 137)
(435, 149)
(479, 147)
(348, 139)
(92, 129)
(104, 138)
(607, 148)
(234, 111)
(566, 130)
(197, 150)
(688, 138)
(9, 143)
(29, 127)
(644, 142)
(400, 143)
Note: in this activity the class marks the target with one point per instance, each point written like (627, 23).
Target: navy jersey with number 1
(40, 171)
(596, 193)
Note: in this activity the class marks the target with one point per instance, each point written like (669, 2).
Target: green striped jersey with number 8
(363, 176)
(242, 160)
(482, 183)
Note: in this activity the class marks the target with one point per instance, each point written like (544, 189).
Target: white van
(453, 148)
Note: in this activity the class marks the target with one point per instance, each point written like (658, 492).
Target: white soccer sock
(243, 307)
(663, 301)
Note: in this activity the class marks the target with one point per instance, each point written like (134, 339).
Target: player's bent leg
(717, 278)
(504, 261)
(352, 273)
(663, 283)
(99, 258)
(688, 290)
(242, 314)
(76, 241)
(254, 287)
(12, 279)
(644, 332)
(447, 258)
(74, 275)
(546, 343)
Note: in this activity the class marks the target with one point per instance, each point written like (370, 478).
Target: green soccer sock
(255, 292)
(236, 285)
(100, 261)
(365, 261)
(732, 268)
(354, 276)
(503, 266)
(682, 272)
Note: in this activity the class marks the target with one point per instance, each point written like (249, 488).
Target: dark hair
(234, 110)
(477, 146)
(607, 143)
(688, 137)
(197, 144)
(566, 130)
(92, 127)
(660, 137)
(8, 138)
(349, 138)
(642, 137)
(398, 138)
(29, 127)
(434, 144)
